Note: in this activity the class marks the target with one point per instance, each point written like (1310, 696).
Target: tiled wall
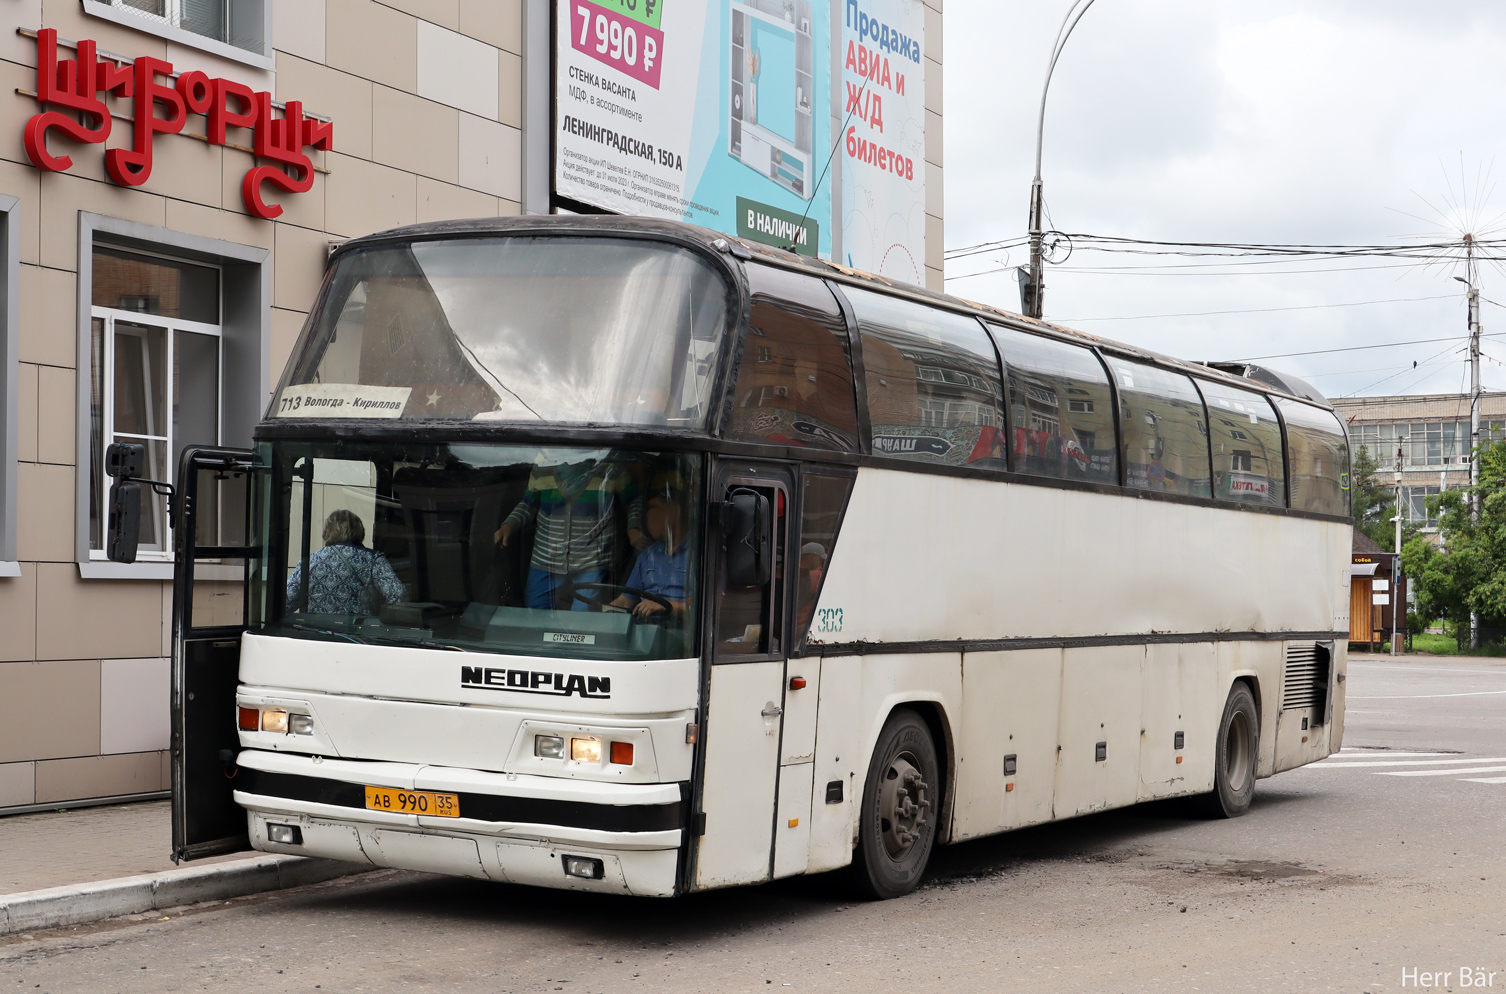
(935, 231)
(426, 99)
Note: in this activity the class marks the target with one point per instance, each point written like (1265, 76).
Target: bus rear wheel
(1237, 751)
(897, 821)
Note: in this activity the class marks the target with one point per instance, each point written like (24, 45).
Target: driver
(661, 568)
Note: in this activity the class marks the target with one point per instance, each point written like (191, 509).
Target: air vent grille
(1306, 684)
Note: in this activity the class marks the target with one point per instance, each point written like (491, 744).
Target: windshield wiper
(399, 640)
(324, 631)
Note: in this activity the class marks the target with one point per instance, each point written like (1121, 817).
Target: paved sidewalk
(87, 845)
(1424, 657)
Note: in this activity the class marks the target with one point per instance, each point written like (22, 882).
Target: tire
(1237, 751)
(900, 806)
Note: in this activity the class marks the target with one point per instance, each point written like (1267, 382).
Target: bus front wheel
(897, 821)
(1237, 751)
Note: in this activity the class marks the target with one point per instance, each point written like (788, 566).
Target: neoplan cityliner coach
(618, 555)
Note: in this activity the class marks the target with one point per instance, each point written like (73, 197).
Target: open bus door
(213, 559)
(744, 704)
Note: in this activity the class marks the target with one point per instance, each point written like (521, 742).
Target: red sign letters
(161, 106)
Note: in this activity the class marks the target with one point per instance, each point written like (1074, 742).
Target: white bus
(621, 556)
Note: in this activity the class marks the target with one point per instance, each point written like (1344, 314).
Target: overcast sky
(1322, 121)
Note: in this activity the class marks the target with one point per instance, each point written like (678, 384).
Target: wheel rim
(1238, 750)
(904, 804)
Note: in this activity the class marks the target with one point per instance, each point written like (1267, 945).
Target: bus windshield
(576, 552)
(513, 328)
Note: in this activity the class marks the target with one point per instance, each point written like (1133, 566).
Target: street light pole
(1474, 408)
(1032, 286)
(1396, 563)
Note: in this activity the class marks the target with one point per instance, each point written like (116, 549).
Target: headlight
(274, 720)
(549, 746)
(586, 750)
(300, 724)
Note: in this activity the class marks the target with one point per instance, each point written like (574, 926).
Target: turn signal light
(622, 753)
(248, 719)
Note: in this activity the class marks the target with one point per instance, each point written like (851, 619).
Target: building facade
(172, 176)
(1431, 431)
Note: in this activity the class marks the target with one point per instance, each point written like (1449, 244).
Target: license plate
(413, 802)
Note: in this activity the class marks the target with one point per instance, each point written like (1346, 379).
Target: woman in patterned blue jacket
(347, 577)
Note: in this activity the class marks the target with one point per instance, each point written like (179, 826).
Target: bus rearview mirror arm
(747, 539)
(125, 462)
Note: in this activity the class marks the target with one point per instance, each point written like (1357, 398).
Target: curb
(77, 904)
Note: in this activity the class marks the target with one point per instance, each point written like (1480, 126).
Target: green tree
(1375, 503)
(1469, 572)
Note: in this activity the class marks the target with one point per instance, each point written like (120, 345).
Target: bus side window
(1164, 430)
(933, 383)
(1246, 439)
(749, 619)
(1319, 458)
(1060, 408)
(823, 498)
(794, 381)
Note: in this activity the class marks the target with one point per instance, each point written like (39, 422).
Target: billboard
(884, 141)
(731, 114)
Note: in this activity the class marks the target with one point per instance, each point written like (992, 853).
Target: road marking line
(1483, 779)
(1439, 773)
(1330, 764)
(1377, 753)
(1427, 697)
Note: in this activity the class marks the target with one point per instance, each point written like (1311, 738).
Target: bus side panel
(1010, 705)
(1181, 688)
(936, 558)
(1100, 716)
(839, 761)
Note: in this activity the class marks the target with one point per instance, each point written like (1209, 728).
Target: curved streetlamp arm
(1031, 296)
(1069, 24)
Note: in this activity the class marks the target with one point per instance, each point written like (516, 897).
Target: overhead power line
(1259, 310)
(1484, 249)
(1359, 348)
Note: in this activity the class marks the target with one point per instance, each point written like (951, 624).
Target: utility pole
(1032, 283)
(1474, 407)
(1396, 606)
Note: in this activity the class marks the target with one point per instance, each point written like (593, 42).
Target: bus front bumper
(543, 831)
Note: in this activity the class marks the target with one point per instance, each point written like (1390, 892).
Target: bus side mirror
(124, 529)
(124, 462)
(746, 531)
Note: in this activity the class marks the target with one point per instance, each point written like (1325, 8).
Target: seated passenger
(661, 568)
(345, 577)
(812, 567)
(574, 509)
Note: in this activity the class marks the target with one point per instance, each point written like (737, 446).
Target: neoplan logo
(536, 682)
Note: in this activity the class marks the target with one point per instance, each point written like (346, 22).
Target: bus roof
(1257, 378)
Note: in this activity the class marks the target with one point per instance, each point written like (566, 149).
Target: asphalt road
(1343, 877)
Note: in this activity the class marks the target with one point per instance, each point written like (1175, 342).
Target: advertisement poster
(884, 138)
(715, 112)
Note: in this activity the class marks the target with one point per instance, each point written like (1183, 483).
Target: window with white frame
(155, 374)
(239, 24)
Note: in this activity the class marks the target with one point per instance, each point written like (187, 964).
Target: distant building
(1432, 432)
